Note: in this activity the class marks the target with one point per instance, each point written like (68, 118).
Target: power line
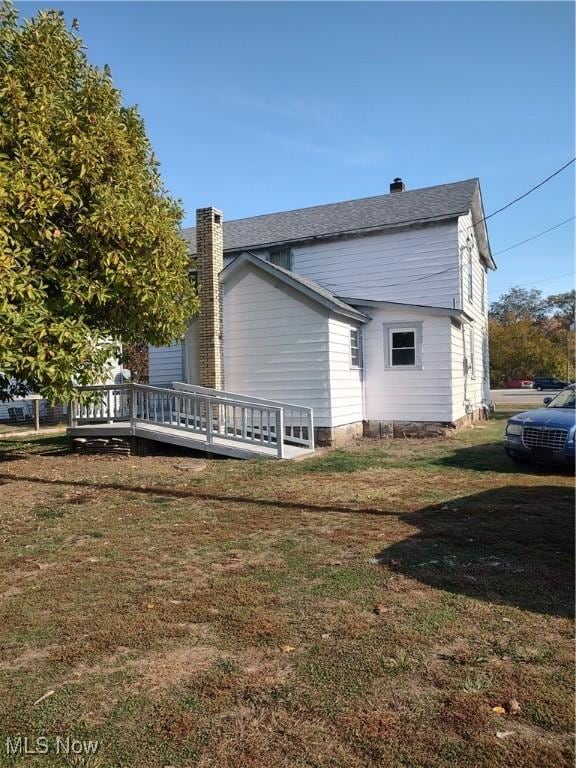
(537, 282)
(408, 282)
(521, 197)
(528, 239)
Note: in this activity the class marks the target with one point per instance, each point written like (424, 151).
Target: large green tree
(90, 245)
(518, 304)
(563, 306)
(531, 335)
(523, 350)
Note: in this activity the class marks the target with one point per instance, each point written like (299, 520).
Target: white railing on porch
(210, 414)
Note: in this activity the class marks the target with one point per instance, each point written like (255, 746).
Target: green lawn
(367, 607)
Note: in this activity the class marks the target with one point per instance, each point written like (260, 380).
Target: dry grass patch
(363, 608)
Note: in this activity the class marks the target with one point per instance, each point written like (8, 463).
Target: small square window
(281, 257)
(402, 347)
(356, 356)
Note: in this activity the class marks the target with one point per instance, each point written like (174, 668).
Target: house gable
(290, 281)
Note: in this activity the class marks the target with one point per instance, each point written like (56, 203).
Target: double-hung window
(470, 276)
(403, 345)
(356, 355)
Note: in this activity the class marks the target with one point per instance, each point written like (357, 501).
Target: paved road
(520, 396)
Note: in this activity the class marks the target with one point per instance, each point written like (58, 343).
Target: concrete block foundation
(373, 428)
(338, 437)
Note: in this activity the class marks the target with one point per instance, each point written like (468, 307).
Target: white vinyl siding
(475, 391)
(281, 345)
(275, 343)
(345, 381)
(165, 365)
(417, 265)
(409, 394)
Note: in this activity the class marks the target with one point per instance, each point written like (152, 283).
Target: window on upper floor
(403, 345)
(470, 276)
(483, 289)
(356, 353)
(281, 257)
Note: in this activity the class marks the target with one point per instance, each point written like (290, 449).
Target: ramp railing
(211, 414)
(298, 420)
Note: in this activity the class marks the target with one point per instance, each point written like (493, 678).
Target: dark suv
(548, 382)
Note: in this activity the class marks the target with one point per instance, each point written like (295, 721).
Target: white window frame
(470, 276)
(281, 251)
(359, 347)
(389, 330)
(483, 289)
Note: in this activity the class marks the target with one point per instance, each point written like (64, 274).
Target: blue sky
(259, 107)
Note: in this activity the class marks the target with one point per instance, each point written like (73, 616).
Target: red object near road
(518, 384)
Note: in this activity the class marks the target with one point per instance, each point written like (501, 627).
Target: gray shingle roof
(369, 213)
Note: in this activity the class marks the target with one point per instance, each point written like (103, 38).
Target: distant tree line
(532, 335)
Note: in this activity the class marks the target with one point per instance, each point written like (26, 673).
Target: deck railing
(210, 413)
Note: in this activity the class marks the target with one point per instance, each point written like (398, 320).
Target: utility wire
(537, 282)
(528, 239)
(521, 197)
(407, 282)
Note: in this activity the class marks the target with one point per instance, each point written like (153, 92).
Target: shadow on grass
(513, 546)
(201, 495)
(490, 457)
(14, 449)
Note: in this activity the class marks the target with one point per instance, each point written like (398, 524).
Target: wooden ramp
(195, 418)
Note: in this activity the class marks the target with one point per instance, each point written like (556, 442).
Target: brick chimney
(210, 260)
(397, 185)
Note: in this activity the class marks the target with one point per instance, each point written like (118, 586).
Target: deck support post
(72, 418)
(36, 406)
(311, 429)
(209, 417)
(133, 409)
(280, 433)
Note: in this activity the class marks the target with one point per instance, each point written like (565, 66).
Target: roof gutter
(354, 232)
(460, 314)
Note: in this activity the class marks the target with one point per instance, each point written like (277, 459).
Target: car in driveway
(548, 382)
(545, 434)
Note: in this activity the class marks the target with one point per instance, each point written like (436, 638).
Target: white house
(373, 312)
